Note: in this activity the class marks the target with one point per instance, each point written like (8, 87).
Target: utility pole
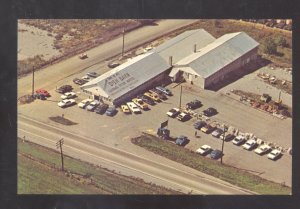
(123, 42)
(32, 81)
(224, 131)
(180, 97)
(59, 145)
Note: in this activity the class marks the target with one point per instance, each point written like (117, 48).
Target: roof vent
(170, 60)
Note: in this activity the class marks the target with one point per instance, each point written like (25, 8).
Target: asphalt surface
(115, 159)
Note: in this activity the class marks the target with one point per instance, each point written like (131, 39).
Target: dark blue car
(181, 140)
(216, 154)
(111, 111)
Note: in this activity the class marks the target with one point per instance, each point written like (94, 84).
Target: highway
(91, 150)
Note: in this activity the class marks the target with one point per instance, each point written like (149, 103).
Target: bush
(269, 46)
(281, 41)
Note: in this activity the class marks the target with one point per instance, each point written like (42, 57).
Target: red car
(43, 92)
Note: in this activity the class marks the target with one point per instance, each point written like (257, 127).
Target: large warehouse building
(213, 62)
(193, 55)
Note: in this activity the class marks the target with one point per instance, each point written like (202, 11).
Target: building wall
(235, 65)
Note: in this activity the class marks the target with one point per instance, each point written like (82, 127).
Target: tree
(281, 41)
(270, 47)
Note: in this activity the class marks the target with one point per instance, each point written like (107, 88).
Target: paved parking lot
(117, 130)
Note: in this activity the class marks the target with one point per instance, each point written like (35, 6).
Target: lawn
(39, 173)
(227, 173)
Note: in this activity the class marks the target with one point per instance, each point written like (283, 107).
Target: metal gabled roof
(127, 76)
(183, 44)
(219, 53)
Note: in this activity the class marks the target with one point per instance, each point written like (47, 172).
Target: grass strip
(211, 167)
(39, 174)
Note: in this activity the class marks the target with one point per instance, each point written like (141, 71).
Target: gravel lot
(117, 130)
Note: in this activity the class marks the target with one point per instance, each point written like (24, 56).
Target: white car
(249, 144)
(133, 108)
(66, 103)
(183, 116)
(87, 78)
(274, 154)
(84, 103)
(238, 140)
(204, 149)
(68, 95)
(173, 112)
(91, 106)
(262, 149)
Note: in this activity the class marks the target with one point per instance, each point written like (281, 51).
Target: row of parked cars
(238, 140)
(142, 102)
(185, 115)
(97, 107)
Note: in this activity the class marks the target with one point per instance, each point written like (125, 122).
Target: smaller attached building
(210, 64)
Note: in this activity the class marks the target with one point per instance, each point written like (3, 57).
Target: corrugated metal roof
(219, 53)
(127, 76)
(183, 44)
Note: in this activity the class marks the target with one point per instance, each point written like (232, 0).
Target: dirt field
(42, 42)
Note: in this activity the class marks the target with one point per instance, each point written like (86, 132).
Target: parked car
(66, 103)
(133, 108)
(125, 109)
(113, 65)
(111, 111)
(250, 144)
(42, 92)
(228, 137)
(65, 88)
(164, 90)
(216, 154)
(79, 81)
(239, 140)
(274, 154)
(194, 104)
(146, 99)
(152, 96)
(101, 109)
(173, 112)
(207, 129)
(83, 56)
(140, 103)
(39, 96)
(217, 133)
(92, 74)
(183, 117)
(161, 95)
(199, 124)
(68, 95)
(86, 78)
(262, 149)
(210, 112)
(84, 103)
(181, 140)
(204, 150)
(91, 107)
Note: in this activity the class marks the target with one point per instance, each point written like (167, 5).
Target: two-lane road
(91, 150)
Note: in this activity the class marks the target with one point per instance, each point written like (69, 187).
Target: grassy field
(38, 173)
(214, 168)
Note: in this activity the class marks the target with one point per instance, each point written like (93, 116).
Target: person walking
(195, 133)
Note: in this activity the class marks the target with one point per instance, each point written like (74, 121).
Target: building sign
(118, 82)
